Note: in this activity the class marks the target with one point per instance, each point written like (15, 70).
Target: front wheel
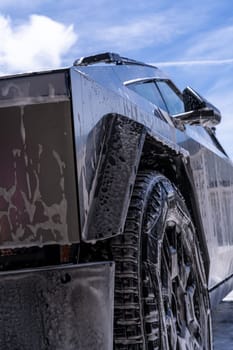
(161, 296)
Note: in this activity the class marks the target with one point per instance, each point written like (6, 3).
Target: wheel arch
(175, 165)
(128, 147)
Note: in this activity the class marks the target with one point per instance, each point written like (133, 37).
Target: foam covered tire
(161, 296)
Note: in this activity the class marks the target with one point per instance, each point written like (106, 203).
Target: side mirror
(198, 111)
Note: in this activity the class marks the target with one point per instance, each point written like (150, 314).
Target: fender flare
(127, 146)
(108, 184)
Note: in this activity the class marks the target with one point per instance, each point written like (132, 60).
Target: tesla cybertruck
(116, 202)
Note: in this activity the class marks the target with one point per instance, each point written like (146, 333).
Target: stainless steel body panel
(98, 91)
(94, 109)
(66, 307)
(37, 183)
(213, 176)
(109, 120)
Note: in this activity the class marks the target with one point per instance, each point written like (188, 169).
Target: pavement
(222, 318)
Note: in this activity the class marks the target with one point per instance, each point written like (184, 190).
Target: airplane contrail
(193, 62)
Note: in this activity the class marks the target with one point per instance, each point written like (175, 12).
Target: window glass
(173, 101)
(150, 91)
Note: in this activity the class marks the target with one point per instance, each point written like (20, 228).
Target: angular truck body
(115, 210)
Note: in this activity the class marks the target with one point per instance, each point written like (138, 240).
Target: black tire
(161, 296)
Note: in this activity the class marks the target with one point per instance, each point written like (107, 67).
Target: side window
(173, 101)
(149, 91)
(161, 94)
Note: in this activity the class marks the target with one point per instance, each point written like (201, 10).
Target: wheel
(161, 296)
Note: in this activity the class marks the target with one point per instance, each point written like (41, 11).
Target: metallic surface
(109, 136)
(112, 179)
(58, 308)
(37, 181)
(100, 90)
(112, 126)
(157, 266)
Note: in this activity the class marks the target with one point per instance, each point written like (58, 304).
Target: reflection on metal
(209, 114)
(59, 308)
(98, 91)
(108, 57)
(71, 143)
(113, 176)
(109, 136)
(37, 182)
(213, 178)
(204, 117)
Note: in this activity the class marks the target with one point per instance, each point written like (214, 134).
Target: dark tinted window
(150, 91)
(161, 94)
(173, 101)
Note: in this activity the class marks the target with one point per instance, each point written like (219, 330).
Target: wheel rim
(184, 295)
(160, 288)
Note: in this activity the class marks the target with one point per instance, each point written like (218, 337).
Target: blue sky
(191, 40)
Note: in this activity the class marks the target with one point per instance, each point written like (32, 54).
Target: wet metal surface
(34, 201)
(114, 176)
(37, 182)
(58, 308)
(210, 168)
(94, 111)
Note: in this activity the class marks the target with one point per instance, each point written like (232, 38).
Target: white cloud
(213, 47)
(38, 43)
(213, 44)
(146, 29)
(6, 4)
(137, 34)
